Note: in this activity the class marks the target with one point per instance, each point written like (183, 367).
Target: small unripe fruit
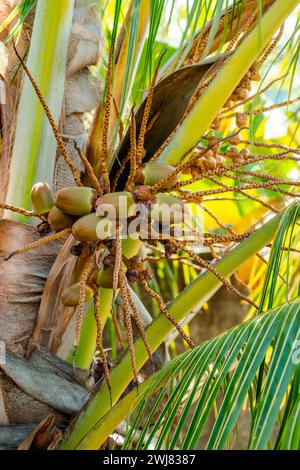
(200, 165)
(209, 154)
(91, 228)
(241, 119)
(195, 171)
(216, 146)
(236, 158)
(76, 201)
(239, 160)
(144, 193)
(220, 161)
(71, 295)
(109, 261)
(232, 150)
(210, 163)
(42, 198)
(186, 171)
(212, 140)
(58, 220)
(245, 152)
(235, 139)
(115, 205)
(152, 172)
(43, 228)
(241, 93)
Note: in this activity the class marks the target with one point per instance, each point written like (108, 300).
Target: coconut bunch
(138, 181)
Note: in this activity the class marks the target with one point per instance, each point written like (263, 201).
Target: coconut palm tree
(175, 127)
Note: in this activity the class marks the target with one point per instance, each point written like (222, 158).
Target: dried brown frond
(152, 121)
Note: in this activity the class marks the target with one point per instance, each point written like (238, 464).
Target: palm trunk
(23, 279)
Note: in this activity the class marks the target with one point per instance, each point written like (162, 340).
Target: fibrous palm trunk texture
(26, 398)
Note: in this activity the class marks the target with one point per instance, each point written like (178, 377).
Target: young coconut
(241, 119)
(71, 295)
(118, 205)
(76, 201)
(91, 228)
(42, 198)
(105, 278)
(58, 220)
(152, 172)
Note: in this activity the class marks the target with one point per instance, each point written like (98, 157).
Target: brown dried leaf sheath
(22, 280)
(171, 98)
(53, 317)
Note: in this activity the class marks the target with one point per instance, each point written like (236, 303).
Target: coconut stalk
(217, 93)
(34, 152)
(88, 335)
(192, 298)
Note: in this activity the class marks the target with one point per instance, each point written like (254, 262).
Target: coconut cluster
(93, 218)
(208, 161)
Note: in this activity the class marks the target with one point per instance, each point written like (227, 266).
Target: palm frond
(88, 426)
(21, 11)
(218, 375)
(284, 235)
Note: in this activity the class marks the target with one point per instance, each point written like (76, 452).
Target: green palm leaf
(227, 364)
